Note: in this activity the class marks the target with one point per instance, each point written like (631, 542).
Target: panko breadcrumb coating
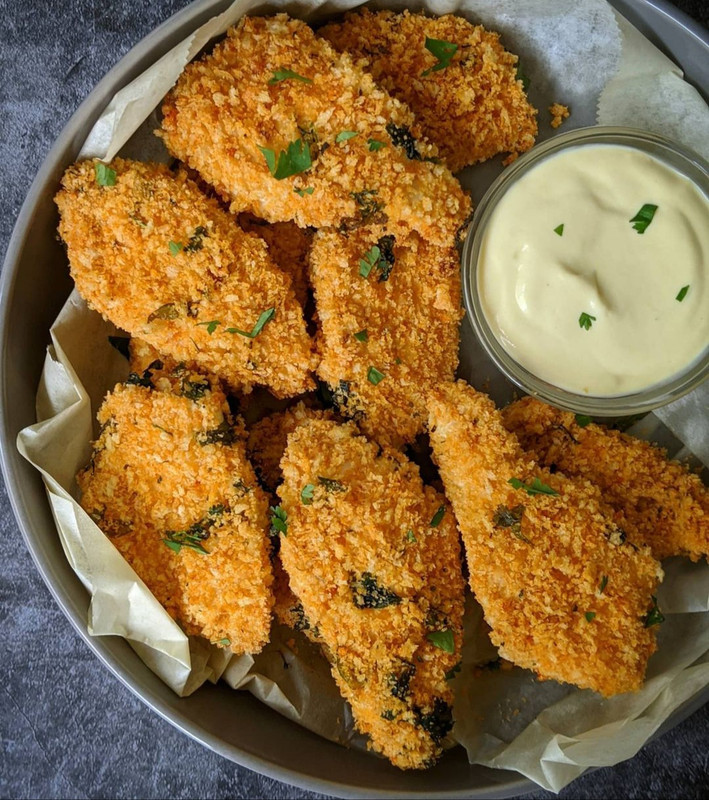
(472, 109)
(373, 556)
(558, 114)
(388, 336)
(563, 594)
(657, 502)
(341, 150)
(288, 246)
(169, 483)
(157, 258)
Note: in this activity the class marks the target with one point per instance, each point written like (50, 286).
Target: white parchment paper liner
(577, 53)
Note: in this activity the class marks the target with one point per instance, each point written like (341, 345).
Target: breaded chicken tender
(288, 246)
(373, 556)
(389, 310)
(287, 129)
(561, 592)
(169, 483)
(471, 103)
(657, 502)
(155, 256)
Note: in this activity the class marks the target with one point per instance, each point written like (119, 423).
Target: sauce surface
(596, 306)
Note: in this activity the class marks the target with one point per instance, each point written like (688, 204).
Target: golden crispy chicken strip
(287, 129)
(457, 78)
(562, 594)
(389, 310)
(170, 484)
(657, 502)
(151, 253)
(373, 556)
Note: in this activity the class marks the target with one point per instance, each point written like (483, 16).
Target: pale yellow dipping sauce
(535, 284)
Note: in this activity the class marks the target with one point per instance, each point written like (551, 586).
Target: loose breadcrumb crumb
(473, 109)
(373, 556)
(558, 114)
(159, 259)
(229, 109)
(561, 596)
(658, 502)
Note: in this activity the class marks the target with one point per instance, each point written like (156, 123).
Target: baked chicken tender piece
(657, 502)
(563, 595)
(288, 246)
(170, 485)
(274, 90)
(472, 109)
(156, 257)
(374, 557)
(387, 337)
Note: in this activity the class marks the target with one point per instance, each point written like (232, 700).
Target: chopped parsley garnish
(375, 145)
(590, 616)
(195, 390)
(306, 494)
(586, 321)
(437, 517)
(105, 176)
(388, 715)
(285, 75)
(443, 51)
(401, 136)
(510, 518)
(399, 682)
(222, 434)
(258, 327)
(121, 343)
(374, 376)
(175, 247)
(216, 510)
(582, 420)
(379, 256)
(160, 428)
(343, 136)
(192, 538)
(436, 723)
(559, 230)
(369, 261)
(410, 536)
(195, 241)
(361, 336)
(370, 210)
(224, 642)
(654, 616)
(303, 192)
(444, 640)
(520, 76)
(331, 485)
(211, 325)
(535, 486)
(602, 585)
(146, 379)
(279, 521)
(167, 311)
(682, 293)
(644, 217)
(367, 593)
(291, 161)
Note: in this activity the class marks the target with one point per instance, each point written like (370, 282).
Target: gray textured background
(68, 728)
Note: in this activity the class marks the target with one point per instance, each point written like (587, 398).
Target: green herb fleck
(401, 136)
(582, 420)
(410, 536)
(306, 494)
(443, 51)
(375, 145)
(520, 76)
(535, 486)
(160, 428)
(437, 517)
(379, 256)
(510, 518)
(367, 593)
(343, 136)
(195, 241)
(602, 585)
(388, 715)
(191, 538)
(682, 293)
(444, 640)
(590, 616)
(644, 217)
(258, 327)
(222, 434)
(216, 510)
(331, 485)
(436, 723)
(654, 616)
(361, 336)
(211, 325)
(586, 321)
(175, 247)
(559, 230)
(167, 311)
(303, 192)
(291, 161)
(374, 376)
(224, 642)
(105, 176)
(369, 261)
(279, 521)
(286, 74)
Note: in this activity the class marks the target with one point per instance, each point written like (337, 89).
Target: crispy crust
(473, 109)
(390, 672)
(657, 502)
(537, 562)
(558, 114)
(149, 476)
(118, 239)
(223, 109)
(412, 323)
